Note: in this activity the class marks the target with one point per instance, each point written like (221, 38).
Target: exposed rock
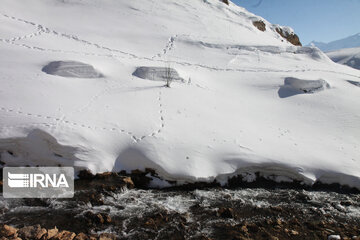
(86, 174)
(225, 212)
(107, 236)
(65, 235)
(31, 232)
(225, 1)
(108, 181)
(130, 184)
(260, 25)
(98, 218)
(51, 233)
(7, 231)
(290, 37)
(81, 236)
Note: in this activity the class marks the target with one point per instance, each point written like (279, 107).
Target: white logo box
(38, 182)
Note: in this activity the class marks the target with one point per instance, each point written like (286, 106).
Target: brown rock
(41, 232)
(51, 233)
(290, 37)
(65, 235)
(107, 218)
(31, 232)
(105, 175)
(260, 25)
(99, 218)
(81, 236)
(7, 231)
(129, 183)
(244, 229)
(107, 236)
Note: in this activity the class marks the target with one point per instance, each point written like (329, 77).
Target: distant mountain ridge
(349, 42)
(347, 56)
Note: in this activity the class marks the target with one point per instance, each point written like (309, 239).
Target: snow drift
(225, 118)
(71, 69)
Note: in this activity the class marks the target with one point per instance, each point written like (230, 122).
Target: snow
(334, 237)
(71, 69)
(226, 118)
(157, 73)
(347, 56)
(293, 86)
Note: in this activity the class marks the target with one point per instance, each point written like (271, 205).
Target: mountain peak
(348, 42)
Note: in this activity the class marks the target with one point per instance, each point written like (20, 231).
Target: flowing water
(199, 214)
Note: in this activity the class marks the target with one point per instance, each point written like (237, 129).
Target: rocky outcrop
(38, 233)
(225, 1)
(260, 25)
(7, 231)
(290, 37)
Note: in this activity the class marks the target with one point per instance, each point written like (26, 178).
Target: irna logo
(38, 182)
(18, 180)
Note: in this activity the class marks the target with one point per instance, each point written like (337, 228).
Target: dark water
(199, 214)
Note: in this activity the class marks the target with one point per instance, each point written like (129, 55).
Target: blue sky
(320, 20)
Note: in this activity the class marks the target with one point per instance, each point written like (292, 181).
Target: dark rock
(85, 174)
(82, 236)
(260, 25)
(31, 232)
(225, 212)
(225, 1)
(290, 37)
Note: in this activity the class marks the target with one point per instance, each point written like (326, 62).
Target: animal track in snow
(169, 46)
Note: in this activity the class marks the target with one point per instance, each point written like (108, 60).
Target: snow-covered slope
(245, 101)
(347, 56)
(348, 42)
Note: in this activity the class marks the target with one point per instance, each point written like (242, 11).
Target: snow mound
(293, 86)
(71, 69)
(157, 74)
